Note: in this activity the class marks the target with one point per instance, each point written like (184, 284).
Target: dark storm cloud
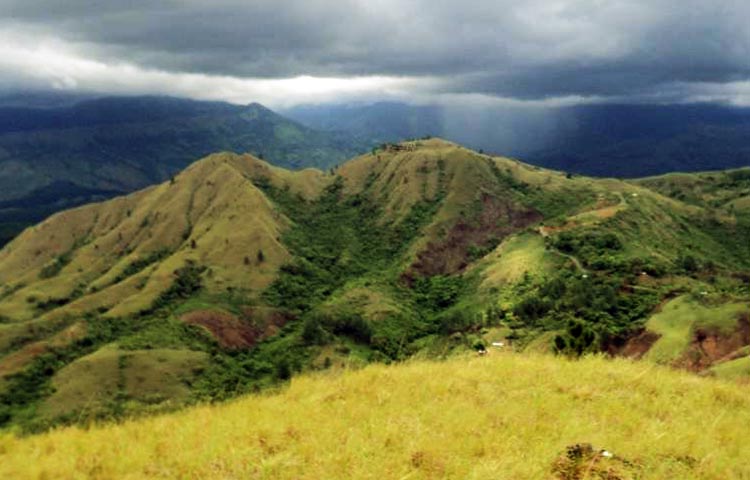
(528, 50)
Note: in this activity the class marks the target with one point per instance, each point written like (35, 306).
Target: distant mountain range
(601, 140)
(377, 123)
(61, 156)
(58, 151)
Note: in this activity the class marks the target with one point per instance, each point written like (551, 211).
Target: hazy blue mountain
(43, 99)
(598, 140)
(376, 123)
(639, 140)
(102, 147)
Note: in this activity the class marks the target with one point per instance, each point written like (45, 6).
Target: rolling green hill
(99, 148)
(236, 275)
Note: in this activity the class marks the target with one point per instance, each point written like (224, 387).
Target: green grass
(679, 318)
(674, 324)
(517, 256)
(737, 369)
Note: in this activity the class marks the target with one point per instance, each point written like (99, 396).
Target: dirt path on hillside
(604, 212)
(573, 259)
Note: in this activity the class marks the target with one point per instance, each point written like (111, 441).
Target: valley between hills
(235, 276)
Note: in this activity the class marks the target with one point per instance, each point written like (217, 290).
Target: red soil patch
(497, 219)
(235, 332)
(709, 347)
(17, 361)
(607, 212)
(635, 347)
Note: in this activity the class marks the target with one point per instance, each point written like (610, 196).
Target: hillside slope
(237, 275)
(502, 416)
(57, 158)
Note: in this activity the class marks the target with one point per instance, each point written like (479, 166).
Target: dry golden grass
(504, 416)
(741, 204)
(149, 376)
(209, 202)
(211, 214)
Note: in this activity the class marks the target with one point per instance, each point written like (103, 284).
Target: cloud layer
(322, 50)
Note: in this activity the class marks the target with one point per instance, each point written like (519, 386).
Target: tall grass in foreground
(503, 416)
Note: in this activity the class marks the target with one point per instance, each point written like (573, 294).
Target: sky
(288, 52)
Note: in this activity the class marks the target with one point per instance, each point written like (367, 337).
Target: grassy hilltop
(237, 275)
(504, 416)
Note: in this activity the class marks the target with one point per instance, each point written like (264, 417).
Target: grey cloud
(530, 50)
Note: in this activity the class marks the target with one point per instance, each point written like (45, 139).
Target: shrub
(283, 369)
(313, 332)
(457, 320)
(438, 292)
(351, 325)
(687, 263)
(53, 269)
(188, 282)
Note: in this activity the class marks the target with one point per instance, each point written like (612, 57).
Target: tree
(312, 332)
(283, 369)
(688, 263)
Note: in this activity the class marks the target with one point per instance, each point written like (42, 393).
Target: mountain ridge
(236, 274)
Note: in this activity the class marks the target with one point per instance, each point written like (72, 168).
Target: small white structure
(498, 344)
